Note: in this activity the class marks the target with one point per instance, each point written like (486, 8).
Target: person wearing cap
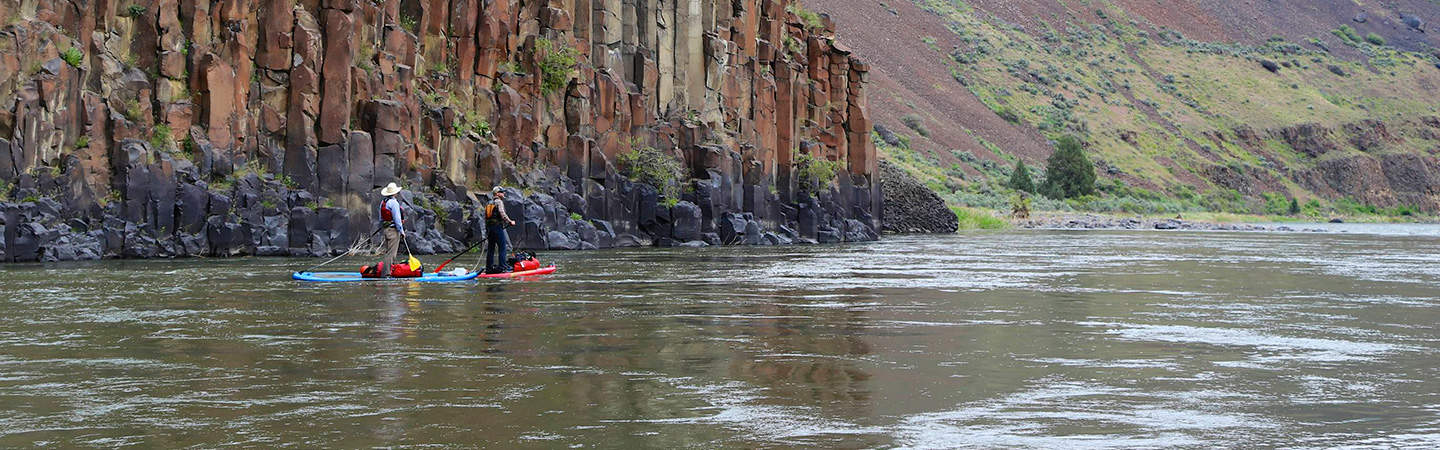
(495, 222)
(393, 224)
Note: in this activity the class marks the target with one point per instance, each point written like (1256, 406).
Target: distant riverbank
(975, 218)
(1108, 222)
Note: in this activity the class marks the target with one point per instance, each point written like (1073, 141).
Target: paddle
(413, 262)
(457, 255)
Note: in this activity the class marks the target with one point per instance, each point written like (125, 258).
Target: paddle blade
(414, 262)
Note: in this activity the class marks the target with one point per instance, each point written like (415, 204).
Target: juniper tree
(1068, 173)
(1020, 179)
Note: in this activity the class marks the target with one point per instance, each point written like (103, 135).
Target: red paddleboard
(540, 271)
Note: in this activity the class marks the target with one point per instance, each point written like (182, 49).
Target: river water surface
(1010, 339)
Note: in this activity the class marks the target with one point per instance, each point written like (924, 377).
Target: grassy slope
(1167, 95)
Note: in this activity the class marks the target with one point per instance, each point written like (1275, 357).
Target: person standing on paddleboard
(393, 225)
(495, 222)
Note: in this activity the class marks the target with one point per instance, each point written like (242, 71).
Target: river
(986, 339)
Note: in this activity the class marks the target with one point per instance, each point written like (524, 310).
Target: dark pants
(497, 238)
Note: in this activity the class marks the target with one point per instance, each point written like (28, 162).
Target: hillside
(1175, 100)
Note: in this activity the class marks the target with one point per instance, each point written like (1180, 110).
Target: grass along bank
(979, 219)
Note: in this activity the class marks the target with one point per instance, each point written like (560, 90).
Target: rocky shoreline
(264, 127)
(1101, 222)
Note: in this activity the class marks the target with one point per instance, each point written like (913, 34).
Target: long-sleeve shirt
(394, 207)
(500, 210)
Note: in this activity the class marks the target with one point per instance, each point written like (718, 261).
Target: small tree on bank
(1068, 173)
(1020, 179)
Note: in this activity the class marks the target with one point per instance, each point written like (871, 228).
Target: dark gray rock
(629, 240)
(731, 228)
(753, 235)
(556, 240)
(585, 231)
(856, 231)
(191, 207)
(301, 222)
(227, 238)
(888, 136)
(686, 219)
(360, 155)
(1413, 21)
(29, 241)
(331, 170)
(573, 202)
(910, 207)
(193, 244)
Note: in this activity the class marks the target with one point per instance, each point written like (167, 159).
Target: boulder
(730, 228)
(685, 219)
(556, 240)
(857, 231)
(753, 235)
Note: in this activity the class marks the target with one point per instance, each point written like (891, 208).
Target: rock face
(910, 207)
(265, 126)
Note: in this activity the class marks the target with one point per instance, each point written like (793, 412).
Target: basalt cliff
(154, 128)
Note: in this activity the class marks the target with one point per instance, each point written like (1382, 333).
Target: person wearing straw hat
(393, 224)
(495, 222)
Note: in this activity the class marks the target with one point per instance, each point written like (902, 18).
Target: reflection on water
(1032, 339)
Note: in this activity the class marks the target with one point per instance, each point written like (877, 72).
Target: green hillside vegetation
(1157, 110)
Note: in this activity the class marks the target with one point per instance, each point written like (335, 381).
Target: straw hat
(390, 190)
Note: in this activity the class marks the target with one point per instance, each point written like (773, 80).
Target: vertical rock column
(464, 19)
(607, 34)
(304, 106)
(335, 101)
(665, 54)
(171, 89)
(273, 60)
(690, 54)
(785, 128)
(861, 147)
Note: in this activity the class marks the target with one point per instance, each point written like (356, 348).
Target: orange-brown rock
(337, 97)
(335, 107)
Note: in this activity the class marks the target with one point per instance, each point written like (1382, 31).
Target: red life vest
(385, 215)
